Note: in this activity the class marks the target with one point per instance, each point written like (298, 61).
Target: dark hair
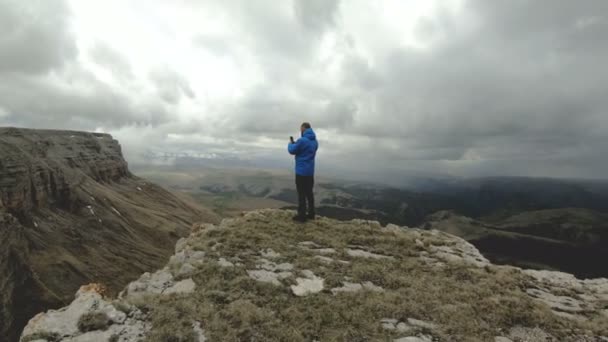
(306, 125)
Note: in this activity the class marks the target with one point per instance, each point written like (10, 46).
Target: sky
(447, 87)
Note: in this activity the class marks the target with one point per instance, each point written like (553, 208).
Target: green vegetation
(93, 321)
(47, 336)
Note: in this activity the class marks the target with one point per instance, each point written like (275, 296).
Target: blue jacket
(305, 150)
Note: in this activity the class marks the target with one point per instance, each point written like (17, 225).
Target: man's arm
(293, 148)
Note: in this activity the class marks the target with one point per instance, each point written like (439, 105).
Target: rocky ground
(72, 213)
(261, 277)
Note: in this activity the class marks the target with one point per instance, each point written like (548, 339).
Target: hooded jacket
(305, 150)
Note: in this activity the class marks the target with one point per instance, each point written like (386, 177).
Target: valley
(535, 223)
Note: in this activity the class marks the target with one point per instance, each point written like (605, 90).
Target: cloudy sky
(461, 87)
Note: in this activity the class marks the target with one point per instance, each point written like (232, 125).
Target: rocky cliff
(261, 277)
(71, 213)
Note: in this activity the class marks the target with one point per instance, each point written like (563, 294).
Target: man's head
(304, 127)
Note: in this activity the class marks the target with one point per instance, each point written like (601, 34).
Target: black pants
(304, 185)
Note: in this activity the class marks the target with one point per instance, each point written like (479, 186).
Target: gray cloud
(316, 14)
(513, 87)
(112, 60)
(40, 103)
(171, 85)
(35, 36)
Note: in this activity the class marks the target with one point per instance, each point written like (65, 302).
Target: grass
(91, 321)
(46, 336)
(469, 304)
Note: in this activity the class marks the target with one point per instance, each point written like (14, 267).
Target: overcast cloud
(468, 88)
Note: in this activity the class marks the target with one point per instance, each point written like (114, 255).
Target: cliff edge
(71, 213)
(261, 277)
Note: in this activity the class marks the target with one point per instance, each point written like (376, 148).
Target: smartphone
(291, 139)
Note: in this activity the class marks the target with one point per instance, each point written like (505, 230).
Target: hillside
(261, 277)
(572, 240)
(72, 213)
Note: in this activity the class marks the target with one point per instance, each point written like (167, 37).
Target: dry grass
(93, 321)
(469, 304)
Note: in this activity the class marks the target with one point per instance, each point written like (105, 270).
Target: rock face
(258, 277)
(71, 213)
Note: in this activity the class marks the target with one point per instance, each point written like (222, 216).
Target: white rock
(421, 324)
(462, 251)
(359, 253)
(529, 334)
(186, 270)
(270, 253)
(502, 339)
(309, 285)
(224, 263)
(354, 287)
(368, 285)
(393, 228)
(309, 244)
(64, 321)
(271, 266)
(268, 276)
(324, 259)
(148, 283)
(414, 339)
(184, 286)
(199, 332)
(402, 328)
(347, 287)
(180, 245)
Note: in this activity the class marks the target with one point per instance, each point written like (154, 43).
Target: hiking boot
(299, 218)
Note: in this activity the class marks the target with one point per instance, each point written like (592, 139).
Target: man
(305, 150)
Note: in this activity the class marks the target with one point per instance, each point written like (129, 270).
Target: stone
(199, 332)
(359, 253)
(64, 322)
(183, 286)
(148, 283)
(224, 263)
(181, 244)
(393, 228)
(422, 338)
(271, 266)
(324, 259)
(309, 285)
(186, 270)
(354, 287)
(502, 339)
(324, 251)
(309, 244)
(559, 303)
(421, 324)
(270, 253)
(347, 287)
(462, 251)
(529, 334)
(268, 276)
(388, 323)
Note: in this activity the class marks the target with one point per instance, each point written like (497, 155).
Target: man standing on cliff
(305, 150)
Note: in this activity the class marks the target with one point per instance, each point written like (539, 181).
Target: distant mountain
(571, 239)
(534, 222)
(72, 213)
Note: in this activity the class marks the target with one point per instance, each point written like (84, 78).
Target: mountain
(574, 240)
(72, 213)
(262, 277)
